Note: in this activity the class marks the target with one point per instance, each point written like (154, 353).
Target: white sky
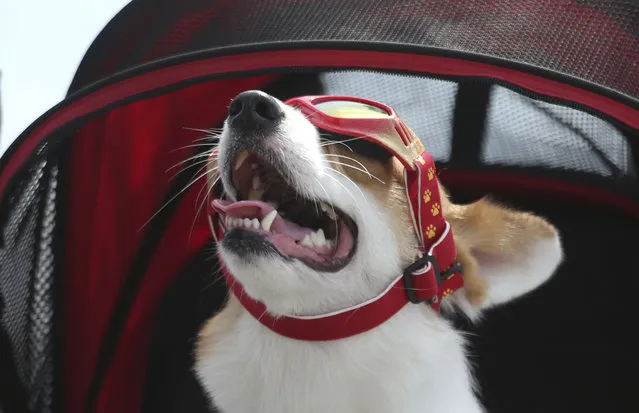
(41, 44)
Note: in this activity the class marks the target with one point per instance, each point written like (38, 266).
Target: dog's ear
(506, 253)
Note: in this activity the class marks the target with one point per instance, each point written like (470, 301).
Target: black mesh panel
(594, 40)
(520, 131)
(524, 132)
(26, 279)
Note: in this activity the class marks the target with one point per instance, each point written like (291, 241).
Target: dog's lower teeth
(306, 241)
(316, 239)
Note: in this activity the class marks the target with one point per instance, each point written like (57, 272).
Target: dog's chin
(289, 286)
(286, 285)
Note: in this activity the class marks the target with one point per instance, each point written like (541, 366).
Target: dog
(336, 233)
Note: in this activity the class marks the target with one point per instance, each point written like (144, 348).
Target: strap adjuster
(408, 278)
(439, 277)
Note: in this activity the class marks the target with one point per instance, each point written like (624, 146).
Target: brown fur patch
(483, 226)
(215, 327)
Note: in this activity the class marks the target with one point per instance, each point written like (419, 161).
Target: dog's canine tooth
(240, 160)
(328, 210)
(267, 221)
(255, 194)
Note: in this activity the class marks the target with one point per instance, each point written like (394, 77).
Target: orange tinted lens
(350, 109)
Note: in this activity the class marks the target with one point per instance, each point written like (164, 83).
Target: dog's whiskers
(364, 170)
(197, 156)
(329, 142)
(343, 186)
(174, 197)
(211, 145)
(326, 142)
(331, 205)
(210, 131)
(209, 188)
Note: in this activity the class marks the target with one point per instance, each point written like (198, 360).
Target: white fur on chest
(415, 362)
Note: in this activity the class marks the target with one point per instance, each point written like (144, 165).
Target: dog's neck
(414, 362)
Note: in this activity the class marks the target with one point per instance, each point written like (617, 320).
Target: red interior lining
(117, 181)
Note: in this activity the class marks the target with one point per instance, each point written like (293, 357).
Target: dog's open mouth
(313, 231)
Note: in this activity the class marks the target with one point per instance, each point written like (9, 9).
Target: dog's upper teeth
(267, 221)
(239, 161)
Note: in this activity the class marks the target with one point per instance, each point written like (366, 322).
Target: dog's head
(328, 224)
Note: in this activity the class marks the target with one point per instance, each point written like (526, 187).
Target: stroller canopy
(106, 263)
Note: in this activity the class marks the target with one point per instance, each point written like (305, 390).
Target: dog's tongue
(259, 209)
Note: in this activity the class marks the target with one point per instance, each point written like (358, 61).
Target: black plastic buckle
(408, 278)
(439, 276)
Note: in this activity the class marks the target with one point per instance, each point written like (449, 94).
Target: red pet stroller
(106, 263)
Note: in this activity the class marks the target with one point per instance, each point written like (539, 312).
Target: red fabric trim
(311, 58)
(123, 159)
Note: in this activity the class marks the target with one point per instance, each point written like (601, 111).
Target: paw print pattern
(447, 292)
(431, 173)
(435, 209)
(430, 231)
(427, 195)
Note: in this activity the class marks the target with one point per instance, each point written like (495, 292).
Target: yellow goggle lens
(349, 109)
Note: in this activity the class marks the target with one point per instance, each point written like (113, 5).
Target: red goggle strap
(422, 191)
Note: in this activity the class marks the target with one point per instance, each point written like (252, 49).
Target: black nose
(253, 109)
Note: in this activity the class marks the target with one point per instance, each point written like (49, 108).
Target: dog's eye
(360, 146)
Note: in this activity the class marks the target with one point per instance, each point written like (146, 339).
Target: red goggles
(378, 123)
(362, 118)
